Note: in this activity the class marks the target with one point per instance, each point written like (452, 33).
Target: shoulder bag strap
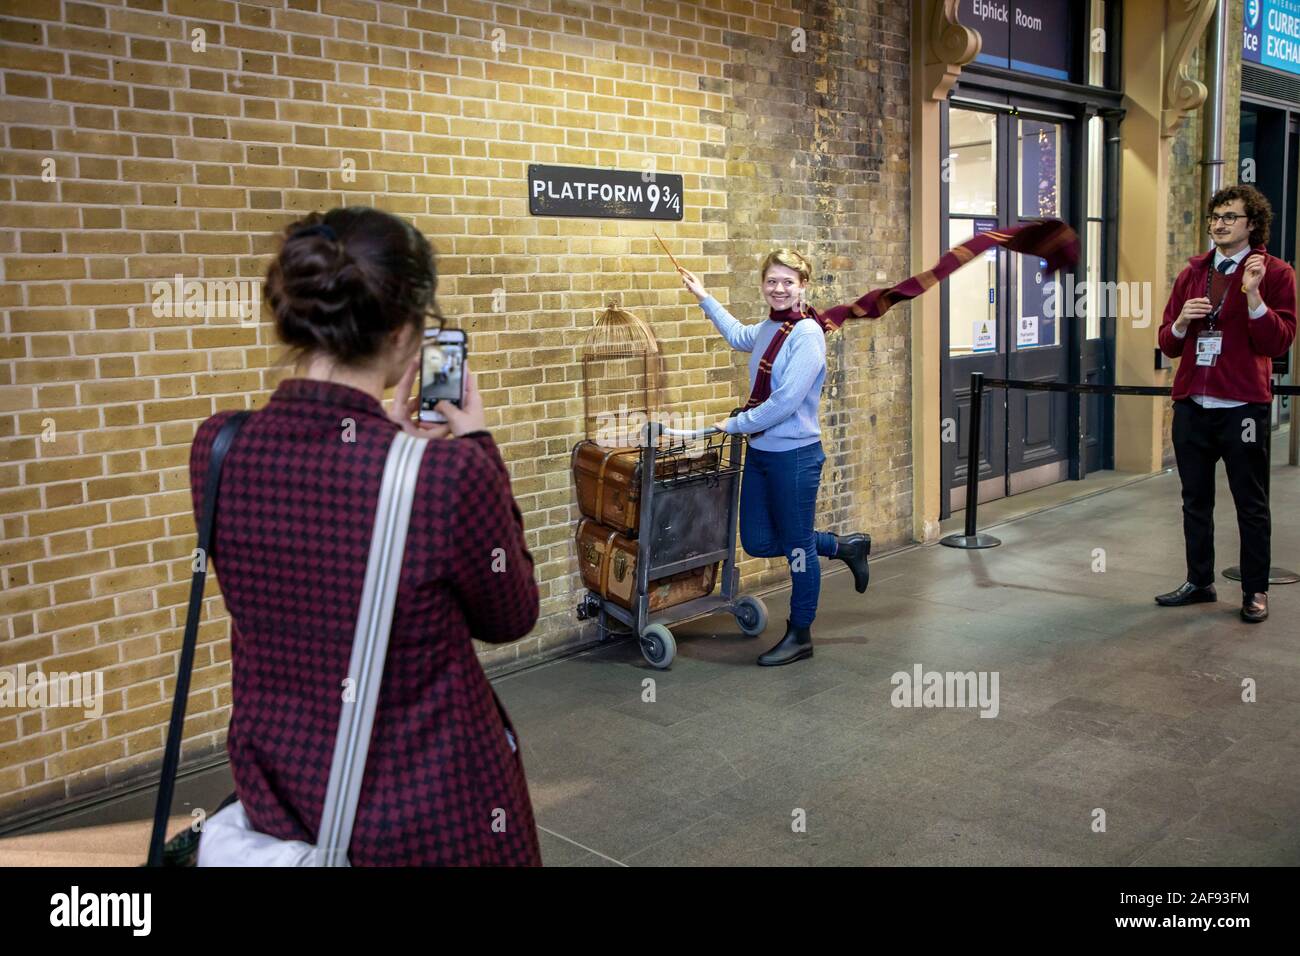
(171, 754)
(369, 649)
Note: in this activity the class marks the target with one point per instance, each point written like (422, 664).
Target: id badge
(1209, 345)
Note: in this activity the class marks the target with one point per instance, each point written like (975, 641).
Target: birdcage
(621, 378)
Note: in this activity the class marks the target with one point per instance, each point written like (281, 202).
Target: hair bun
(320, 229)
(341, 287)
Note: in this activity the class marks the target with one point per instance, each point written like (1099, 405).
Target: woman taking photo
(444, 782)
(784, 460)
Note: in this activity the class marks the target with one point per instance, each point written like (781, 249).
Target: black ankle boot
(853, 549)
(795, 646)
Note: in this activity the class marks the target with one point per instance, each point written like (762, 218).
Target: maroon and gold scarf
(1050, 239)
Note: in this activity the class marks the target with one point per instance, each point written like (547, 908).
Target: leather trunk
(608, 562)
(608, 481)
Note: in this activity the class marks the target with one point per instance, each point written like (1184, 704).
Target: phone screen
(443, 365)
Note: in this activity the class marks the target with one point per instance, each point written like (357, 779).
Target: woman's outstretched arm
(738, 335)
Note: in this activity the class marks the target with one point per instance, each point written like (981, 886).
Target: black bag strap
(172, 753)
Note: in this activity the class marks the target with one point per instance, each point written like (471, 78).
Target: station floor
(1121, 735)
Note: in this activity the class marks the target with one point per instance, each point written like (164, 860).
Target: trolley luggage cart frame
(678, 530)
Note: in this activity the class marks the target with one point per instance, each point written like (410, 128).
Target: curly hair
(343, 281)
(1256, 204)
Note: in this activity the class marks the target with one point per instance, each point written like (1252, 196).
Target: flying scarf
(1050, 240)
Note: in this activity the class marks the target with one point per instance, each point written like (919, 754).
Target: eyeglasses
(1229, 218)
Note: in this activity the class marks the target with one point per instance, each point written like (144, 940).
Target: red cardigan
(1243, 372)
(294, 521)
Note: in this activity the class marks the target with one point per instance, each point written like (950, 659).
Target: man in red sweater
(1226, 320)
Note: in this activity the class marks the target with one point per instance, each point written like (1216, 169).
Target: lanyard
(1216, 306)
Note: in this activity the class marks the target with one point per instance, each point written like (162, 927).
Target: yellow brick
(64, 518)
(121, 487)
(24, 650)
(144, 717)
(134, 625)
(73, 614)
(61, 568)
(180, 409)
(82, 734)
(85, 758)
(30, 748)
(128, 579)
(119, 439)
(62, 370)
(112, 535)
(102, 393)
(63, 469)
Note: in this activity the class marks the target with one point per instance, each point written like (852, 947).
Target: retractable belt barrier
(971, 538)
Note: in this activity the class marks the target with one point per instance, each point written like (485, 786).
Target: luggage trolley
(687, 520)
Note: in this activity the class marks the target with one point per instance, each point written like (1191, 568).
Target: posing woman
(444, 782)
(783, 463)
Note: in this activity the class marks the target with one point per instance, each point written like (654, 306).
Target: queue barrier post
(972, 539)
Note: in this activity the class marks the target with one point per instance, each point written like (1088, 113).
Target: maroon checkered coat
(293, 531)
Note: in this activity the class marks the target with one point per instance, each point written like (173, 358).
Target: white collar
(1219, 256)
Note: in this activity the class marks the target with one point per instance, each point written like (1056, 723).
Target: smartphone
(442, 371)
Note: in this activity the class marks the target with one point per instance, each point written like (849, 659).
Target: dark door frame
(992, 88)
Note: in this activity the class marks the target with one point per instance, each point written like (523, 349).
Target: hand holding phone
(469, 416)
(442, 372)
(460, 421)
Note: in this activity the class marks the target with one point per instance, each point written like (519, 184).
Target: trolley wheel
(658, 646)
(751, 615)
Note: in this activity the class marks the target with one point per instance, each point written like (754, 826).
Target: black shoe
(1254, 607)
(795, 646)
(1188, 593)
(853, 549)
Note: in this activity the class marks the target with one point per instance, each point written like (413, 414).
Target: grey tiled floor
(1107, 702)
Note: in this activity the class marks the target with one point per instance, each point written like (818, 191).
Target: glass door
(1003, 316)
(973, 313)
(1037, 422)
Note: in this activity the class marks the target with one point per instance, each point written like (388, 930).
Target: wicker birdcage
(621, 378)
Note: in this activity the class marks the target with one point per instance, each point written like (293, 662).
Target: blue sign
(1271, 34)
(1029, 36)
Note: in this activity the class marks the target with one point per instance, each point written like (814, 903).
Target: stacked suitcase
(608, 482)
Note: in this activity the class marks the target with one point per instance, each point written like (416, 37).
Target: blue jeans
(778, 497)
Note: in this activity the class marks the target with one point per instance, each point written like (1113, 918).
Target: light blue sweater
(788, 419)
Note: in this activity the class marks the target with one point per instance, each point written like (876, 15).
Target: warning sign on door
(985, 336)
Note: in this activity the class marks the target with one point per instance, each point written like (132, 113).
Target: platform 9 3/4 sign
(603, 193)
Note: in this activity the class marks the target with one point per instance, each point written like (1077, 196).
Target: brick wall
(175, 137)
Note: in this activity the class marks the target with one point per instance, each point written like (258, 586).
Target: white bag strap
(369, 648)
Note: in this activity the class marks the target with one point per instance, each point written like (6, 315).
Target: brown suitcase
(608, 563)
(608, 481)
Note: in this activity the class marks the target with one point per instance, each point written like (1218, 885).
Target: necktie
(1227, 265)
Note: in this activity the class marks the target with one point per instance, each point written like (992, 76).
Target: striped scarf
(1050, 239)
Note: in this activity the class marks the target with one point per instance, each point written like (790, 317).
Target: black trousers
(1240, 437)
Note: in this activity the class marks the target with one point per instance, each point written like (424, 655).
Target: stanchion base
(1275, 575)
(979, 540)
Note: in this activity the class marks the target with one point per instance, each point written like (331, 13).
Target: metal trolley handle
(692, 433)
(654, 429)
